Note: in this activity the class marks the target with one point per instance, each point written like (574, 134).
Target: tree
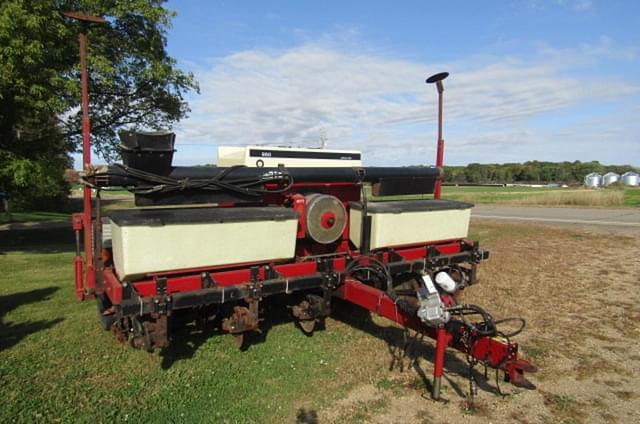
(133, 82)
(533, 171)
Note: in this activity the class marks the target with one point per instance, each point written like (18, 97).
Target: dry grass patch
(565, 407)
(576, 313)
(575, 198)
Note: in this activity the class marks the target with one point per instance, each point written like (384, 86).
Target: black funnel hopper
(148, 151)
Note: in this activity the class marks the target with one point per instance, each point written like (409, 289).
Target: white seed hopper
(399, 223)
(151, 241)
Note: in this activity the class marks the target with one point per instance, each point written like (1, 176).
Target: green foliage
(133, 83)
(528, 172)
(39, 178)
(31, 172)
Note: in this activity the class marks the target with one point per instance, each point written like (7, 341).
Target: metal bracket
(270, 273)
(127, 291)
(395, 256)
(206, 280)
(324, 265)
(161, 285)
(77, 221)
(255, 289)
(254, 273)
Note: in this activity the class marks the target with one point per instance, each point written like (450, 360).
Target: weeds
(534, 352)
(385, 384)
(474, 407)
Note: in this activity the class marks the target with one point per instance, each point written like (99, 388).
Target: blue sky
(546, 80)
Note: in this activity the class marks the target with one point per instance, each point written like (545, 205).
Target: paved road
(621, 219)
(627, 219)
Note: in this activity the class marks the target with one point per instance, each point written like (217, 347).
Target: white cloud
(575, 5)
(381, 105)
(582, 5)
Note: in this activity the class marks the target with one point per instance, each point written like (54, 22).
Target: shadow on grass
(185, 342)
(189, 332)
(12, 333)
(50, 240)
(50, 236)
(405, 351)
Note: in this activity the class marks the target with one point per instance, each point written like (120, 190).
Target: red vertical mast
(87, 223)
(438, 78)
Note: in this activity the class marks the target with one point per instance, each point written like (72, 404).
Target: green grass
(632, 197)
(32, 216)
(544, 196)
(482, 195)
(56, 364)
(489, 195)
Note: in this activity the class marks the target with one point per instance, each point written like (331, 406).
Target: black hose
(485, 328)
(522, 321)
(378, 268)
(220, 182)
(488, 327)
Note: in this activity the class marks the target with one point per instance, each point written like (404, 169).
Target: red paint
(78, 262)
(440, 164)
(328, 220)
(189, 279)
(299, 204)
(496, 351)
(78, 266)
(440, 148)
(112, 286)
(90, 283)
(86, 162)
(377, 301)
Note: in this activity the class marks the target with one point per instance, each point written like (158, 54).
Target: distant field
(577, 196)
(616, 197)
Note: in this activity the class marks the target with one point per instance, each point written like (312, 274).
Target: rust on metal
(241, 321)
(303, 313)
(120, 329)
(148, 334)
(310, 311)
(155, 333)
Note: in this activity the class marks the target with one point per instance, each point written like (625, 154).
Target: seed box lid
(200, 215)
(411, 206)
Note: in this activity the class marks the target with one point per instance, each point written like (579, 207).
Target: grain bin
(630, 179)
(610, 178)
(593, 180)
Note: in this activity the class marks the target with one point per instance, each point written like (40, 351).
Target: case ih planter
(304, 232)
